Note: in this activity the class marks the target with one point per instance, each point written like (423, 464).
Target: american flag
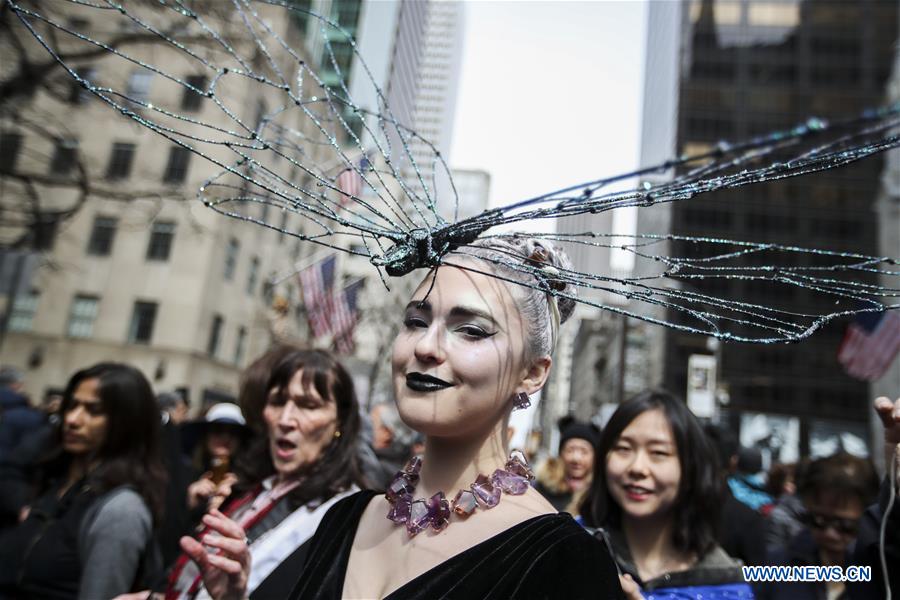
(870, 344)
(350, 181)
(316, 282)
(345, 316)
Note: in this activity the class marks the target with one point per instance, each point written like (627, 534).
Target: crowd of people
(295, 491)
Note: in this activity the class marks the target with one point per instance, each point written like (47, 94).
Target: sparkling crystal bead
(440, 511)
(517, 465)
(399, 512)
(413, 466)
(464, 504)
(509, 482)
(420, 516)
(399, 486)
(484, 490)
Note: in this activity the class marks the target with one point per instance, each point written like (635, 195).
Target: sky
(550, 93)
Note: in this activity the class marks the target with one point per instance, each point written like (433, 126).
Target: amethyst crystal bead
(517, 465)
(464, 503)
(400, 485)
(399, 512)
(413, 466)
(420, 516)
(484, 490)
(440, 511)
(509, 482)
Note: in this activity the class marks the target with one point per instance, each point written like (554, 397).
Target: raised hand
(889, 413)
(226, 569)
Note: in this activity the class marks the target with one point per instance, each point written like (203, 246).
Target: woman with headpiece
(90, 533)
(462, 520)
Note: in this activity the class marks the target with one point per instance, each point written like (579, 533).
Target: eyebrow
(456, 311)
(652, 441)
(85, 400)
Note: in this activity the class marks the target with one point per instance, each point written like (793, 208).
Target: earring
(337, 433)
(521, 401)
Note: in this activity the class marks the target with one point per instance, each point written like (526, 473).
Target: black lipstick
(420, 382)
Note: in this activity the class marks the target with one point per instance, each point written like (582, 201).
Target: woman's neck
(451, 464)
(650, 543)
(80, 465)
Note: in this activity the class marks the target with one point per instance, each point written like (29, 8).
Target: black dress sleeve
(574, 565)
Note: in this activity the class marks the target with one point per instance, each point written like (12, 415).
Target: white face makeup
(459, 357)
(643, 471)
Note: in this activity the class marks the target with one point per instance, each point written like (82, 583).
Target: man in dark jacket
(742, 530)
(18, 422)
(17, 416)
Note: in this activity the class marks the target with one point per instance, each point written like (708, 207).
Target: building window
(212, 347)
(120, 160)
(102, 235)
(142, 320)
(138, 88)
(231, 257)
(253, 276)
(81, 319)
(44, 231)
(774, 14)
(177, 167)
(10, 144)
(21, 317)
(239, 346)
(77, 93)
(191, 100)
(160, 245)
(64, 156)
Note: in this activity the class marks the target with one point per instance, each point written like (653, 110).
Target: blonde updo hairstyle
(541, 267)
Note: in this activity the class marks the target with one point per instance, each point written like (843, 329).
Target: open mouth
(420, 382)
(285, 445)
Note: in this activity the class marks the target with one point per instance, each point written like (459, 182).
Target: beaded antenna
(270, 114)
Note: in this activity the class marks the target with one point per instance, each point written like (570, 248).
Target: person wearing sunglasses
(835, 492)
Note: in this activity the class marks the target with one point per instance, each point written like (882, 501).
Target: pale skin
(465, 425)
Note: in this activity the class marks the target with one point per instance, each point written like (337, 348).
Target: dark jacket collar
(714, 568)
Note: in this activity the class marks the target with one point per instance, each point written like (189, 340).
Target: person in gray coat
(89, 534)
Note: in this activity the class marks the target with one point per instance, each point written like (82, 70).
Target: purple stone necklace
(515, 478)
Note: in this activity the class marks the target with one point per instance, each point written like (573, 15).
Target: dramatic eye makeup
(471, 322)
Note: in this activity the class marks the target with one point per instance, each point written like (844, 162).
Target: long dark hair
(337, 469)
(696, 508)
(129, 455)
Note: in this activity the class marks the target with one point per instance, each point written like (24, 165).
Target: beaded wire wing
(279, 127)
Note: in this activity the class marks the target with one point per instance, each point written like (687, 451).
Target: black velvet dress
(548, 556)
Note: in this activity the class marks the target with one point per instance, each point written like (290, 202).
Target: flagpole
(310, 261)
